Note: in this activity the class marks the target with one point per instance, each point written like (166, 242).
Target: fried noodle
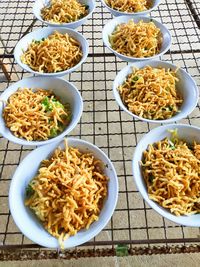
(129, 6)
(35, 115)
(151, 93)
(68, 192)
(172, 173)
(57, 52)
(142, 39)
(64, 11)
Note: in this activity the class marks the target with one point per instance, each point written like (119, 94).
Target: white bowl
(117, 13)
(111, 25)
(29, 225)
(39, 4)
(65, 90)
(22, 45)
(186, 132)
(186, 86)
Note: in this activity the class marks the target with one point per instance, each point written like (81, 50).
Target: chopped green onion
(29, 191)
(37, 42)
(172, 146)
(135, 79)
(53, 132)
(59, 105)
(174, 135)
(61, 126)
(151, 178)
(46, 103)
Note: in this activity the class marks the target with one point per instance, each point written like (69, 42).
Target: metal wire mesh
(134, 223)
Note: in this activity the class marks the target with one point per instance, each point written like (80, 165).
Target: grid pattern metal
(133, 223)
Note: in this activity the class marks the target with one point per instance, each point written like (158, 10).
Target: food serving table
(134, 228)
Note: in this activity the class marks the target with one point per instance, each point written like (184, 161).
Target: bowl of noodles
(37, 111)
(63, 13)
(131, 7)
(51, 51)
(63, 194)
(166, 170)
(136, 38)
(155, 91)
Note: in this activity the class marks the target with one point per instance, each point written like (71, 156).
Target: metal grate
(134, 223)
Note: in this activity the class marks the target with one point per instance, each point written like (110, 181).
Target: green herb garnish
(46, 103)
(171, 144)
(174, 135)
(135, 79)
(53, 132)
(29, 191)
(151, 178)
(37, 42)
(59, 105)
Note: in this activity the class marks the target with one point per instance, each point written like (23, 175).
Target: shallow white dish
(67, 92)
(22, 45)
(26, 221)
(39, 4)
(186, 132)
(186, 87)
(111, 25)
(117, 13)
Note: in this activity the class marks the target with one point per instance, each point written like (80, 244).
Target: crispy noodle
(57, 52)
(35, 115)
(171, 170)
(151, 93)
(68, 192)
(64, 11)
(142, 39)
(129, 6)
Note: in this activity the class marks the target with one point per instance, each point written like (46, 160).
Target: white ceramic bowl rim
(41, 33)
(122, 13)
(157, 63)
(125, 19)
(16, 198)
(158, 133)
(13, 88)
(64, 24)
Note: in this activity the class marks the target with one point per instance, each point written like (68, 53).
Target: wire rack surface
(133, 223)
